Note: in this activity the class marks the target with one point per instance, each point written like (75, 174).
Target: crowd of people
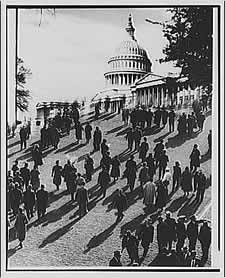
(155, 177)
(176, 241)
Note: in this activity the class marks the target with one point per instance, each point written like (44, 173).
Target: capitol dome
(129, 63)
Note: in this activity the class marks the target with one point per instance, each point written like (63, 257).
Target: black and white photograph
(113, 138)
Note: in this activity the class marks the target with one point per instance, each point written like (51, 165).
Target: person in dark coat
(163, 160)
(171, 116)
(190, 125)
(55, 137)
(88, 130)
(37, 155)
(89, 167)
(106, 161)
(137, 134)
(146, 235)
(162, 194)
(158, 115)
(72, 184)
(44, 139)
(42, 201)
(68, 123)
(23, 138)
(16, 198)
(79, 130)
(176, 176)
(195, 158)
(104, 147)
(149, 116)
(130, 172)
(143, 149)
(115, 171)
(35, 178)
(162, 233)
(57, 174)
(158, 150)
(205, 239)
(120, 203)
(20, 226)
(103, 180)
(180, 233)
(186, 181)
(210, 141)
(25, 174)
(68, 167)
(164, 116)
(29, 202)
(192, 232)
(143, 175)
(115, 261)
(130, 138)
(15, 167)
(200, 186)
(130, 242)
(97, 138)
(82, 199)
(200, 120)
(151, 165)
(171, 222)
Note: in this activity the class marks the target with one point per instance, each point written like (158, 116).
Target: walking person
(104, 147)
(162, 234)
(151, 165)
(29, 202)
(89, 167)
(68, 167)
(130, 243)
(79, 129)
(171, 222)
(16, 198)
(176, 176)
(42, 201)
(195, 158)
(103, 180)
(130, 172)
(15, 167)
(146, 236)
(25, 174)
(192, 233)
(143, 175)
(149, 193)
(130, 139)
(115, 171)
(180, 233)
(158, 150)
(97, 138)
(37, 155)
(82, 199)
(164, 116)
(143, 149)
(171, 116)
(88, 130)
(186, 181)
(137, 134)
(120, 203)
(205, 240)
(161, 195)
(201, 186)
(72, 182)
(23, 138)
(163, 160)
(57, 174)
(20, 226)
(35, 178)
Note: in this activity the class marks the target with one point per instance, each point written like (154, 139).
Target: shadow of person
(12, 251)
(100, 238)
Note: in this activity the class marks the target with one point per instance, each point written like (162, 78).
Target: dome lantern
(130, 28)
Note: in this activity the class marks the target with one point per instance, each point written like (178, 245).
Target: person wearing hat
(97, 138)
(205, 240)
(180, 233)
(89, 167)
(163, 160)
(82, 199)
(176, 176)
(120, 203)
(131, 169)
(171, 116)
(29, 201)
(42, 201)
(20, 226)
(104, 147)
(23, 138)
(192, 261)
(87, 131)
(201, 186)
(192, 232)
(143, 175)
(130, 242)
(16, 198)
(115, 261)
(15, 167)
(158, 150)
(195, 158)
(146, 235)
(57, 174)
(143, 149)
(25, 174)
(171, 222)
(130, 138)
(137, 137)
(103, 180)
(162, 233)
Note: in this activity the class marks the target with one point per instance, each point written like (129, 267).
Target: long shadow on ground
(178, 140)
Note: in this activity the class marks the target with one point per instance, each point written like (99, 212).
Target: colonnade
(155, 96)
(121, 79)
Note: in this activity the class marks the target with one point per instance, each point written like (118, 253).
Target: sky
(68, 52)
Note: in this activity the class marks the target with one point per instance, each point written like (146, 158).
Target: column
(147, 97)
